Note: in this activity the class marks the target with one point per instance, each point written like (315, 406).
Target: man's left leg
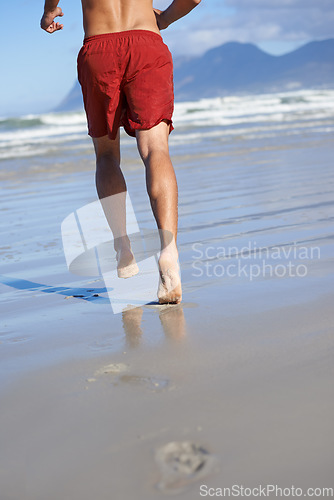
(111, 189)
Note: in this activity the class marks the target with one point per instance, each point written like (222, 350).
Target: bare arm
(51, 10)
(176, 10)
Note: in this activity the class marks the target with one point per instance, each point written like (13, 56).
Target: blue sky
(38, 69)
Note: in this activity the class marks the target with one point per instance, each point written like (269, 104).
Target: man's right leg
(162, 190)
(111, 189)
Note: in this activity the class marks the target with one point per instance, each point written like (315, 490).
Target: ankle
(169, 252)
(122, 243)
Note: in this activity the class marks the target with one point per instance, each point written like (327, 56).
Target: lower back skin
(110, 16)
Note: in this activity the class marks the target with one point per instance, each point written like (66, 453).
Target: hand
(47, 22)
(161, 22)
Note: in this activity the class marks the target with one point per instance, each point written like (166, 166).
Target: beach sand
(232, 387)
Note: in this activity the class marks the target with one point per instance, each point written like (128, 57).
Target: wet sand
(233, 386)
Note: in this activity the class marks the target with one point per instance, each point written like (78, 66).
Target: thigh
(104, 146)
(153, 139)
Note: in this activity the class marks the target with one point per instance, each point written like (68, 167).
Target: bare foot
(169, 290)
(126, 263)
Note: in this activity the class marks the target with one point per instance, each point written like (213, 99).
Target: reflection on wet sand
(172, 320)
(132, 326)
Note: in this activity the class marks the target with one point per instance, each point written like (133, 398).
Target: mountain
(73, 101)
(235, 68)
(239, 68)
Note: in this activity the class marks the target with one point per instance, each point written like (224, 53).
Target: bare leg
(111, 189)
(162, 190)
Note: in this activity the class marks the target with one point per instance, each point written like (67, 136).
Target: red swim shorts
(126, 80)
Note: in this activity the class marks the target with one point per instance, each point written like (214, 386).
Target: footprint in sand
(120, 377)
(113, 369)
(181, 464)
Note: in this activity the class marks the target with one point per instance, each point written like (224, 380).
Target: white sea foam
(195, 121)
(64, 119)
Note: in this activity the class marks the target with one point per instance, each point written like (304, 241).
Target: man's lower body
(127, 80)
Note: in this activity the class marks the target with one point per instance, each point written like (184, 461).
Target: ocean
(206, 123)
